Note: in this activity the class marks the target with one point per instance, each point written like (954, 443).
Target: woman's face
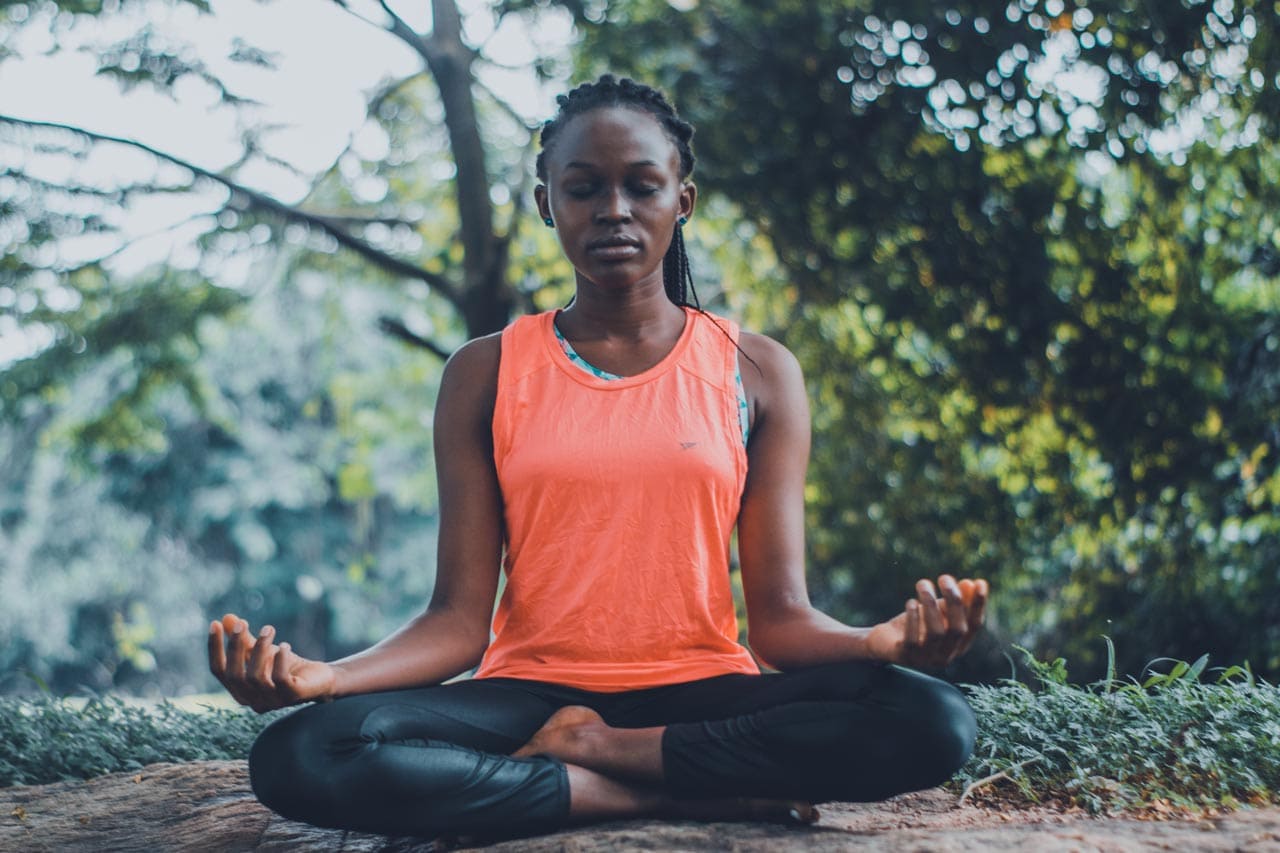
(614, 192)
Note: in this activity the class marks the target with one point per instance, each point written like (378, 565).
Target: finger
(977, 611)
(280, 668)
(218, 663)
(912, 630)
(258, 669)
(229, 622)
(957, 622)
(934, 623)
(217, 650)
(967, 589)
(238, 654)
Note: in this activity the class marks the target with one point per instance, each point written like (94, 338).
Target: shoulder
(476, 352)
(772, 380)
(476, 357)
(772, 356)
(470, 381)
(771, 364)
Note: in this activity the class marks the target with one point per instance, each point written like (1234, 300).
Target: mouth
(615, 247)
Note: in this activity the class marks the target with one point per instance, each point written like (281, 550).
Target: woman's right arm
(451, 634)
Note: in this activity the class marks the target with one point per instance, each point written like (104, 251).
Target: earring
(549, 222)
(683, 220)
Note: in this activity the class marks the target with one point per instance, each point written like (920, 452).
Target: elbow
(769, 649)
(468, 644)
(477, 650)
(463, 637)
(770, 656)
(783, 640)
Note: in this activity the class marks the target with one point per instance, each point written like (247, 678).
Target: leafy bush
(48, 740)
(1167, 741)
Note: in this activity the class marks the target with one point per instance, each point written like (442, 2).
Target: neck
(632, 313)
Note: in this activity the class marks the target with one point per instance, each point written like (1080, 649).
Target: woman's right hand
(261, 674)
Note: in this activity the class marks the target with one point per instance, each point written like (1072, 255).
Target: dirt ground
(208, 806)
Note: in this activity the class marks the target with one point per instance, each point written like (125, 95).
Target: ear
(688, 199)
(542, 201)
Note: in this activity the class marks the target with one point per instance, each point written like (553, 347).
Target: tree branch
(349, 219)
(376, 256)
(128, 244)
(388, 89)
(397, 329)
(342, 4)
(396, 26)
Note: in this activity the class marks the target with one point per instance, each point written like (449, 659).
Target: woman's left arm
(784, 629)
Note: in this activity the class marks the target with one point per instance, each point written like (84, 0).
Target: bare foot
(561, 732)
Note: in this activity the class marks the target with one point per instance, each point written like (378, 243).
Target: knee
(276, 771)
(945, 728)
(955, 728)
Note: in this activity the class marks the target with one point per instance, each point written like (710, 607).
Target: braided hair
(610, 91)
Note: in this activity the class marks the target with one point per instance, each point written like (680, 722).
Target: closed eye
(586, 190)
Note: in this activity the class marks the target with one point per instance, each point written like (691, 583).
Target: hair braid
(677, 279)
(610, 91)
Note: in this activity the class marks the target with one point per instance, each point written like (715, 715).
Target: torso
(620, 496)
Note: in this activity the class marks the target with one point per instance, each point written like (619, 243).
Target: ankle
(578, 743)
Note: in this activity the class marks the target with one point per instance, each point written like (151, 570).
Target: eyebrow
(578, 164)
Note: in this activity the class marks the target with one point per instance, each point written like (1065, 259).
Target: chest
(660, 436)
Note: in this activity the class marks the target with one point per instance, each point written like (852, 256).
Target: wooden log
(208, 806)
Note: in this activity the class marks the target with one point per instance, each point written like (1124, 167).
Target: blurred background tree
(1027, 254)
(243, 422)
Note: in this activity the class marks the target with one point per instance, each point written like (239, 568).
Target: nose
(614, 207)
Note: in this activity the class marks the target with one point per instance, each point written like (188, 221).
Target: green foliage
(1038, 322)
(227, 428)
(120, 552)
(1167, 740)
(50, 740)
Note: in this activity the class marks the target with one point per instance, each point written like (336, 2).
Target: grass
(1168, 743)
(49, 740)
(1171, 742)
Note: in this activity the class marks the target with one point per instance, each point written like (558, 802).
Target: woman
(604, 454)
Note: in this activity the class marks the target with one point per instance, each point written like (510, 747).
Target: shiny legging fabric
(435, 760)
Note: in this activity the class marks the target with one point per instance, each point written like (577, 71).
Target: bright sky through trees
(326, 61)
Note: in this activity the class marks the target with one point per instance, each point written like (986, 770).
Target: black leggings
(436, 760)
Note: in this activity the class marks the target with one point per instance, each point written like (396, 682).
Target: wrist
(858, 643)
(339, 683)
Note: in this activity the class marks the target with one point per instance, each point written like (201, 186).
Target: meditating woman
(602, 456)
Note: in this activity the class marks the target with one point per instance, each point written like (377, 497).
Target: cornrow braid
(677, 279)
(610, 91)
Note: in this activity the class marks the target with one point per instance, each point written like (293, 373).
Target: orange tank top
(619, 499)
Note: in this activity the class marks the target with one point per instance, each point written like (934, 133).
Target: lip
(617, 247)
(614, 241)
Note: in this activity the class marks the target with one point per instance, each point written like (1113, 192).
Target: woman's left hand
(932, 631)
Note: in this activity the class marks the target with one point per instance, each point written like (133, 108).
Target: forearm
(805, 636)
(432, 648)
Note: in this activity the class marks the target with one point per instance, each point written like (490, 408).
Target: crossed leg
(617, 772)
(498, 755)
